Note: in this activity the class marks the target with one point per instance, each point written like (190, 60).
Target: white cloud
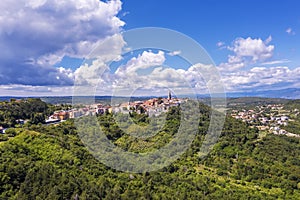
(156, 82)
(174, 53)
(91, 75)
(268, 40)
(247, 50)
(196, 78)
(148, 73)
(109, 49)
(255, 49)
(276, 62)
(29, 90)
(38, 33)
(290, 31)
(125, 77)
(221, 45)
(145, 72)
(262, 78)
(135, 73)
(231, 65)
(238, 75)
(145, 60)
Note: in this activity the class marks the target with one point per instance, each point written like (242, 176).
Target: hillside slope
(50, 162)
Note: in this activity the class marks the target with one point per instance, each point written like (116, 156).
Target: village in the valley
(271, 118)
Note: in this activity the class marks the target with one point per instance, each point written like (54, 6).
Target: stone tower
(169, 95)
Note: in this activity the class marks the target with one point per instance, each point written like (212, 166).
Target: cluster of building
(151, 107)
(270, 118)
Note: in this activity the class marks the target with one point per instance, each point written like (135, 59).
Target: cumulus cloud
(135, 73)
(145, 60)
(239, 75)
(262, 78)
(247, 50)
(255, 49)
(35, 34)
(128, 76)
(197, 78)
(147, 72)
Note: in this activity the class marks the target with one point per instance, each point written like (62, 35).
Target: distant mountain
(291, 93)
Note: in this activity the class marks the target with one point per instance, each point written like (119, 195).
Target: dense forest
(33, 110)
(51, 162)
(294, 126)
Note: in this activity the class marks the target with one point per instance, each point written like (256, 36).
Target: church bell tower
(169, 95)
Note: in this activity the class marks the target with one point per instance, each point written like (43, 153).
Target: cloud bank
(35, 34)
(248, 68)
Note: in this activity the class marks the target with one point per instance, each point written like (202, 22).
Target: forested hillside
(50, 162)
(33, 110)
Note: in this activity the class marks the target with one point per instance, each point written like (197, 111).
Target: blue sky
(254, 44)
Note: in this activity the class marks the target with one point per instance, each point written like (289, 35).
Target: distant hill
(291, 93)
(254, 101)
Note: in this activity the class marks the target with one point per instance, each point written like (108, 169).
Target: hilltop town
(150, 107)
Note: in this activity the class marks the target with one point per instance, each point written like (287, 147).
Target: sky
(50, 46)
